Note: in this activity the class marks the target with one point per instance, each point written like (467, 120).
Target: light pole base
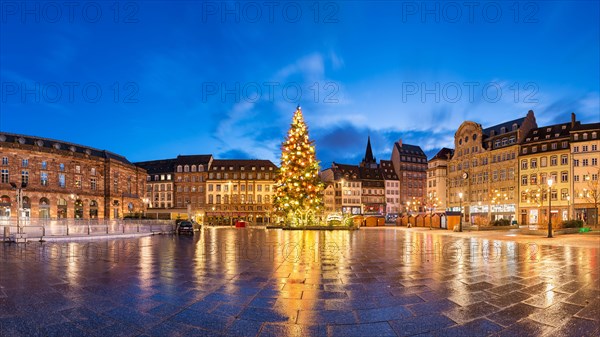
(19, 238)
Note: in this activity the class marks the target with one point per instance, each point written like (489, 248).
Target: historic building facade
(410, 163)
(240, 189)
(160, 189)
(392, 190)
(544, 171)
(191, 174)
(437, 168)
(343, 192)
(585, 196)
(65, 180)
(373, 184)
(484, 169)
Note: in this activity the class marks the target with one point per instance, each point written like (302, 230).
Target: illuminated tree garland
(298, 192)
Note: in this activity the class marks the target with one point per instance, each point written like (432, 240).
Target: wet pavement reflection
(258, 282)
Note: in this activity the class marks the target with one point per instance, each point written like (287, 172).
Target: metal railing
(40, 228)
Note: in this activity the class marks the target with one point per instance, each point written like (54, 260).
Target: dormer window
(514, 127)
(502, 130)
(548, 129)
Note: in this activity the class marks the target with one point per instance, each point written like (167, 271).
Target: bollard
(6, 233)
(123, 228)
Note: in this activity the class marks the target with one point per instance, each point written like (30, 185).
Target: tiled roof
(548, 132)
(389, 166)
(158, 166)
(409, 149)
(60, 145)
(443, 154)
(237, 164)
(201, 159)
(508, 127)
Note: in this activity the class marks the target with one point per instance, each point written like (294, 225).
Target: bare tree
(591, 192)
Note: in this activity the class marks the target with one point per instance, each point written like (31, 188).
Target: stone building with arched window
(66, 180)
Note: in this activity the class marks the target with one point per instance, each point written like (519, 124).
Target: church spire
(369, 159)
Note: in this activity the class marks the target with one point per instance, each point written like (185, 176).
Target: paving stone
(556, 314)
(292, 330)
(470, 312)
(422, 324)
(526, 327)
(366, 286)
(512, 314)
(381, 329)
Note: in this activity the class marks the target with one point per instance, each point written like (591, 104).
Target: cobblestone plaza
(257, 282)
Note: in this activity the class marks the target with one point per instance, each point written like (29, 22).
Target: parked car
(185, 227)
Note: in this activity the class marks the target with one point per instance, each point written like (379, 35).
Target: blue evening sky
(154, 79)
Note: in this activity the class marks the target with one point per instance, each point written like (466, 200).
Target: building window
(533, 163)
(61, 167)
(564, 176)
(44, 165)
(25, 177)
(77, 169)
(193, 168)
(564, 193)
(524, 180)
(4, 160)
(93, 171)
(584, 162)
(543, 162)
(4, 178)
(179, 168)
(594, 161)
(93, 184)
(584, 148)
(61, 180)
(553, 161)
(575, 148)
(44, 178)
(25, 163)
(564, 159)
(533, 179)
(186, 168)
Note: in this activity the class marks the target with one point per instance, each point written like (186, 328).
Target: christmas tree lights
(298, 192)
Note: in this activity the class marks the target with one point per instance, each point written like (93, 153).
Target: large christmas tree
(298, 193)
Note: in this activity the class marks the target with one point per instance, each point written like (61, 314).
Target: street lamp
(568, 207)
(460, 196)
(550, 208)
(19, 204)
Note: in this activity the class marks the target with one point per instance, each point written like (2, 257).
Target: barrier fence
(39, 228)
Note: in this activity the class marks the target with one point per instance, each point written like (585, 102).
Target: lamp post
(460, 196)
(550, 208)
(568, 207)
(19, 203)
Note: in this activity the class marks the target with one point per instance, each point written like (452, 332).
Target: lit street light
(19, 208)
(460, 196)
(550, 208)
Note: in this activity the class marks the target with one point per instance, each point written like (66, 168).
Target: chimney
(572, 119)
(400, 142)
